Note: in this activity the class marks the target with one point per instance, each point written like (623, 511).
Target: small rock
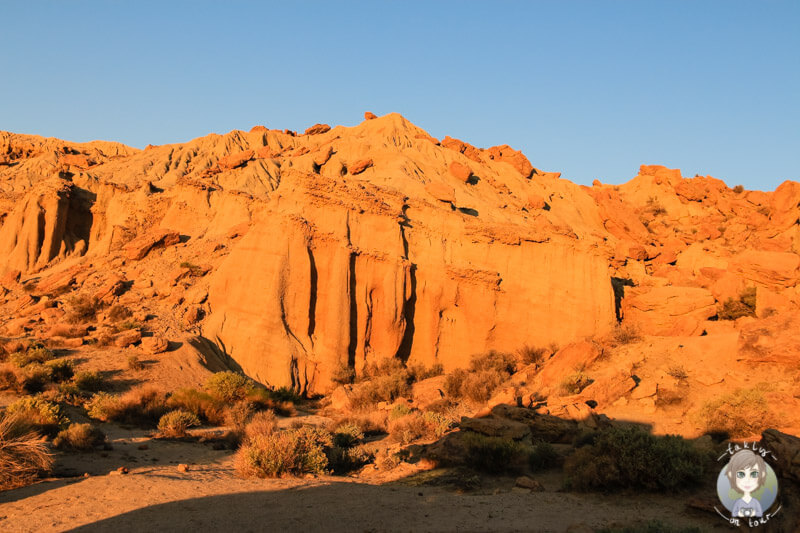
(126, 338)
(119, 471)
(236, 160)
(526, 482)
(183, 467)
(368, 115)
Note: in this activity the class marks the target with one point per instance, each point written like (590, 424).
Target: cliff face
(299, 253)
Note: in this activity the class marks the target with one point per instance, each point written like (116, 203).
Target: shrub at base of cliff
(79, 438)
(417, 425)
(631, 458)
(290, 452)
(23, 453)
(202, 404)
(494, 455)
(175, 424)
(741, 413)
(486, 373)
(142, 407)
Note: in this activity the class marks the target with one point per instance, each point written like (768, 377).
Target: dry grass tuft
(175, 423)
(79, 437)
(23, 453)
(81, 308)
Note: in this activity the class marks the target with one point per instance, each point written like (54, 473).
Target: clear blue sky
(591, 89)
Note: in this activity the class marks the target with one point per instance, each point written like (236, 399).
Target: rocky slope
(295, 254)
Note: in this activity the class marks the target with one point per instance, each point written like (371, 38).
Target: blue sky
(591, 89)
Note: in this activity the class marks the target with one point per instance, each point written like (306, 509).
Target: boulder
(774, 269)
(154, 344)
(563, 363)
(515, 158)
(138, 248)
(535, 202)
(236, 160)
(428, 391)
(668, 310)
(127, 338)
(316, 129)
(526, 482)
(441, 192)
(359, 166)
(323, 156)
(460, 171)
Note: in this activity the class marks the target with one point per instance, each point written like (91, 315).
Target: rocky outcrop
(668, 310)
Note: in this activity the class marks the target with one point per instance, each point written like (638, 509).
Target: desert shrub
(494, 455)
(61, 370)
(127, 325)
(342, 460)
(81, 308)
(79, 437)
(542, 457)
(34, 377)
(347, 435)
(418, 425)
(625, 334)
(90, 381)
(36, 353)
(261, 399)
(134, 363)
(23, 453)
(239, 414)
(677, 372)
(654, 207)
(343, 374)
(229, 386)
(118, 313)
(631, 458)
(398, 410)
(38, 413)
(486, 373)
(575, 383)
(745, 305)
(741, 413)
(289, 452)
(8, 378)
(738, 189)
(142, 406)
(175, 423)
(533, 355)
(370, 423)
(419, 372)
(284, 394)
(201, 404)
(384, 382)
(261, 423)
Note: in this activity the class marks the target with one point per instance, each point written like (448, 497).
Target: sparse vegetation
(207, 408)
(678, 372)
(292, 451)
(79, 437)
(383, 382)
(89, 381)
(81, 308)
(418, 425)
(745, 305)
(35, 353)
(534, 355)
(486, 373)
(142, 406)
(118, 313)
(127, 325)
(624, 334)
(61, 370)
(174, 424)
(741, 413)
(343, 374)
(575, 382)
(23, 453)
(542, 457)
(261, 423)
(622, 458)
(135, 364)
(493, 455)
(654, 207)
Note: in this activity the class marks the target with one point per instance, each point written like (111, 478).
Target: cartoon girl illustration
(746, 473)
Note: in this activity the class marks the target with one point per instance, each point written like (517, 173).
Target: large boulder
(668, 310)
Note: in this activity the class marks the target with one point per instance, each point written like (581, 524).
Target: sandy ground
(157, 496)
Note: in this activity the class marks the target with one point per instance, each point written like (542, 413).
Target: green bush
(175, 423)
(201, 404)
(494, 455)
(89, 381)
(383, 382)
(741, 413)
(745, 305)
(39, 414)
(486, 373)
(34, 377)
(61, 370)
(290, 452)
(417, 425)
(143, 406)
(79, 437)
(543, 457)
(343, 460)
(261, 423)
(36, 353)
(347, 435)
(229, 386)
(631, 458)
